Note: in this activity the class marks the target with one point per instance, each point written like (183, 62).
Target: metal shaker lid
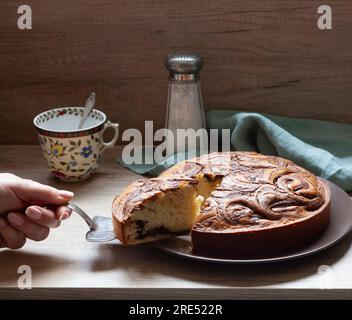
(184, 66)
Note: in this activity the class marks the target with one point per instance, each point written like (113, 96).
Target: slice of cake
(153, 209)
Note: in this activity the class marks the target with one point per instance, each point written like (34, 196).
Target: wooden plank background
(259, 55)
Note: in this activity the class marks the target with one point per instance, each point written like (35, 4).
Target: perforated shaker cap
(184, 66)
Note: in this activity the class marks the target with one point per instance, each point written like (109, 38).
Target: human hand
(29, 209)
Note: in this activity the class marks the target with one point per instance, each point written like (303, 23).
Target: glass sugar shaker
(184, 103)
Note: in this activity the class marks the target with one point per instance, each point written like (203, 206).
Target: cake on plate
(233, 204)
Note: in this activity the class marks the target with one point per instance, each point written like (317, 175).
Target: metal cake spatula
(100, 227)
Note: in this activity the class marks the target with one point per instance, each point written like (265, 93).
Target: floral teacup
(73, 154)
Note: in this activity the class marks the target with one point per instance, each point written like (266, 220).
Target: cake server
(100, 227)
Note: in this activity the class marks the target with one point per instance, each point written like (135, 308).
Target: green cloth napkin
(323, 147)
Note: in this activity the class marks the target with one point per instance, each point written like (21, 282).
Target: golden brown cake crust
(141, 191)
(256, 193)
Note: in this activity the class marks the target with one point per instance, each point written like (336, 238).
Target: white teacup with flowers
(73, 154)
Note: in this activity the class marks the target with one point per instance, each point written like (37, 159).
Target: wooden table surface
(66, 266)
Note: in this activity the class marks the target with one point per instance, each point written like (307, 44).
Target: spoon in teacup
(88, 106)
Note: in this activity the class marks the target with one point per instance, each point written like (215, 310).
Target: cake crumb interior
(171, 212)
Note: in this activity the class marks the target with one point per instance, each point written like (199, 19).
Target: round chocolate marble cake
(235, 204)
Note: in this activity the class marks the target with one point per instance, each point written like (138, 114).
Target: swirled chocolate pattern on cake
(255, 190)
